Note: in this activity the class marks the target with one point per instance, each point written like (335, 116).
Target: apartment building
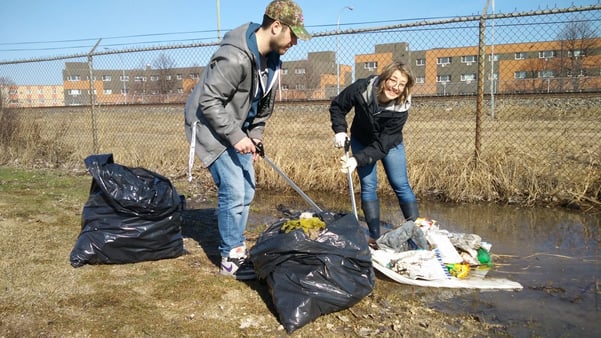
(315, 78)
(127, 86)
(28, 96)
(532, 67)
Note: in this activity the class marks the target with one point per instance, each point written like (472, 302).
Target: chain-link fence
(507, 104)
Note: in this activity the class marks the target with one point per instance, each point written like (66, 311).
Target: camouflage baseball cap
(290, 14)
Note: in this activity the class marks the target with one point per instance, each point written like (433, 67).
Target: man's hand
(348, 164)
(340, 139)
(245, 146)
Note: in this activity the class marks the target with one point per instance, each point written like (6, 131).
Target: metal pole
(218, 22)
(337, 48)
(291, 183)
(92, 98)
(124, 84)
(492, 65)
(347, 146)
(480, 97)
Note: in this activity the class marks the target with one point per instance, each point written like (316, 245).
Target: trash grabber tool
(347, 145)
(261, 152)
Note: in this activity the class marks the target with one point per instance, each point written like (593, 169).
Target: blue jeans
(234, 175)
(395, 166)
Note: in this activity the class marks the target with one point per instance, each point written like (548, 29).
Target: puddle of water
(554, 254)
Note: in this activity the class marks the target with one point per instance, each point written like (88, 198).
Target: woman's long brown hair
(387, 73)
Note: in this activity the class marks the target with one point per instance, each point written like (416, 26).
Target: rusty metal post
(480, 96)
(92, 100)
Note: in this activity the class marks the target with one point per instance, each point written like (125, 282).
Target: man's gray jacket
(219, 104)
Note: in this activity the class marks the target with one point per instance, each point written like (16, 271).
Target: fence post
(480, 96)
(92, 100)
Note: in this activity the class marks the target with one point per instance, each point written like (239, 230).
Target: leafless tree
(572, 65)
(6, 85)
(166, 83)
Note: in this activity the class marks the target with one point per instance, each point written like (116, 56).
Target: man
(225, 117)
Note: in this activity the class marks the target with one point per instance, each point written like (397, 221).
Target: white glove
(348, 165)
(339, 140)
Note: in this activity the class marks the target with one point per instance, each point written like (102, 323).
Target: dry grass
(529, 155)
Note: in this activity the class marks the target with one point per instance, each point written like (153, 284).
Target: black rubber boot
(371, 210)
(410, 211)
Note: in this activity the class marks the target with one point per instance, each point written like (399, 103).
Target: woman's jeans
(234, 175)
(395, 166)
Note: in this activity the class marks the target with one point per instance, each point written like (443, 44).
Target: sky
(48, 28)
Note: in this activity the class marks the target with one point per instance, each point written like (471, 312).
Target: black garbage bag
(309, 278)
(131, 215)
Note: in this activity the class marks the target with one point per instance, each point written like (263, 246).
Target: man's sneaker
(238, 265)
(239, 268)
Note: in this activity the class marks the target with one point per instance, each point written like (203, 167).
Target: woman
(381, 105)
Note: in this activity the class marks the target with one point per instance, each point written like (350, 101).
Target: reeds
(524, 160)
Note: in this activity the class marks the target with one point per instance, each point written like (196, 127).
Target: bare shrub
(24, 141)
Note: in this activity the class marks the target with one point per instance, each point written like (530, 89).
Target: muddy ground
(392, 309)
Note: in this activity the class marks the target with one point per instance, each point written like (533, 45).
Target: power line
(108, 38)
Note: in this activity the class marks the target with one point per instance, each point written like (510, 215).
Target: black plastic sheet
(131, 215)
(309, 278)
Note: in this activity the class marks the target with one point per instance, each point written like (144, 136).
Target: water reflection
(554, 254)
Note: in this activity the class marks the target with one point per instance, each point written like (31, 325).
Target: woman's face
(394, 86)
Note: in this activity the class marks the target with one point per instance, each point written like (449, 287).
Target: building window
(575, 53)
(124, 78)
(443, 78)
(546, 54)
(178, 76)
(443, 61)
(123, 91)
(106, 78)
(107, 91)
(520, 56)
(140, 78)
(168, 77)
(194, 76)
(284, 71)
(180, 90)
(420, 62)
(519, 74)
(300, 86)
(284, 87)
(373, 65)
(545, 73)
(468, 77)
(469, 59)
(495, 58)
(299, 71)
(74, 92)
(73, 78)
(154, 78)
(420, 79)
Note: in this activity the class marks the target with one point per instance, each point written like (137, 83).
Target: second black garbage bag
(131, 215)
(309, 277)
